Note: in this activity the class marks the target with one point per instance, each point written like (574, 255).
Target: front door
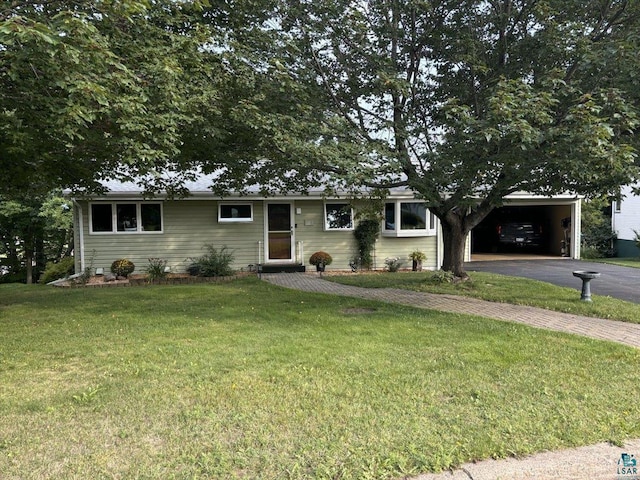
(279, 232)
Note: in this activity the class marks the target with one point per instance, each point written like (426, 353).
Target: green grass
(624, 262)
(248, 380)
(501, 288)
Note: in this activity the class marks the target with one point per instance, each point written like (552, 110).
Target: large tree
(466, 102)
(128, 89)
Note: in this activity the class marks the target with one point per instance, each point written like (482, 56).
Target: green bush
(597, 238)
(441, 276)
(215, 263)
(598, 242)
(156, 267)
(366, 233)
(56, 270)
(19, 276)
(122, 267)
(392, 264)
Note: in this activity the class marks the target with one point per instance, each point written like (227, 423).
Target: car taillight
(499, 229)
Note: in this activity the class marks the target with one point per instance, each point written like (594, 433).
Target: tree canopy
(465, 102)
(126, 89)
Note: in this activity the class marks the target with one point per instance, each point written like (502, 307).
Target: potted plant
(417, 257)
(320, 260)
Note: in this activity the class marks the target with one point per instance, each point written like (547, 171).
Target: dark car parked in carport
(520, 234)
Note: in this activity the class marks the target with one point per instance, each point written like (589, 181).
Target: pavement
(594, 462)
(614, 281)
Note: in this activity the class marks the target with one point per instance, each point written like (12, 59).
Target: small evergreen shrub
(214, 263)
(122, 267)
(56, 270)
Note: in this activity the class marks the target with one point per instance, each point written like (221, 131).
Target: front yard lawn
(622, 261)
(501, 288)
(248, 380)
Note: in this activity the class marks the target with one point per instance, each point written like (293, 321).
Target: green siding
(627, 248)
(189, 225)
(341, 245)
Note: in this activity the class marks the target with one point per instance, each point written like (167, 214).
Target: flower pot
(320, 267)
(416, 265)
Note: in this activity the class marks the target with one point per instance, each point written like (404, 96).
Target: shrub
(122, 267)
(19, 276)
(320, 257)
(56, 270)
(366, 233)
(441, 276)
(393, 264)
(214, 263)
(156, 267)
(597, 238)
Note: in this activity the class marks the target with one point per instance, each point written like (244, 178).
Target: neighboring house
(271, 231)
(625, 219)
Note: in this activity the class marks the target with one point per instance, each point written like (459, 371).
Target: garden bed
(98, 281)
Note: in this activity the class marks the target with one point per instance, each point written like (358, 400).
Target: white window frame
(238, 219)
(328, 228)
(114, 218)
(397, 231)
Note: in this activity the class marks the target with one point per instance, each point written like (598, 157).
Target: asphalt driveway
(614, 281)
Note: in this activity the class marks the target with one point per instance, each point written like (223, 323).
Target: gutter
(80, 234)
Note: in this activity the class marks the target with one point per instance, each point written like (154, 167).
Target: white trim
(430, 221)
(234, 219)
(81, 233)
(327, 228)
(137, 230)
(292, 252)
(576, 223)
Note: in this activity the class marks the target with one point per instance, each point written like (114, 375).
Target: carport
(556, 221)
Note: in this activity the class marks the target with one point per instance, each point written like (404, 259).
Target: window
(413, 216)
(338, 216)
(130, 217)
(101, 218)
(406, 219)
(235, 212)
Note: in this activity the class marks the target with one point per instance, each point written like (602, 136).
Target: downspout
(439, 245)
(80, 235)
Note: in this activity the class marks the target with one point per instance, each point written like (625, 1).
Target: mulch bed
(98, 281)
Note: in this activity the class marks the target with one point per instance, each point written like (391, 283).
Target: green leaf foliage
(126, 89)
(467, 102)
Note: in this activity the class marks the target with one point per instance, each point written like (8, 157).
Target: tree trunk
(28, 258)
(454, 238)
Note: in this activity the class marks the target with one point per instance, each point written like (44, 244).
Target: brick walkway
(615, 331)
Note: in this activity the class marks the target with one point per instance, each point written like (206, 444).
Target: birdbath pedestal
(586, 278)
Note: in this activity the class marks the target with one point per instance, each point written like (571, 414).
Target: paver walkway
(613, 330)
